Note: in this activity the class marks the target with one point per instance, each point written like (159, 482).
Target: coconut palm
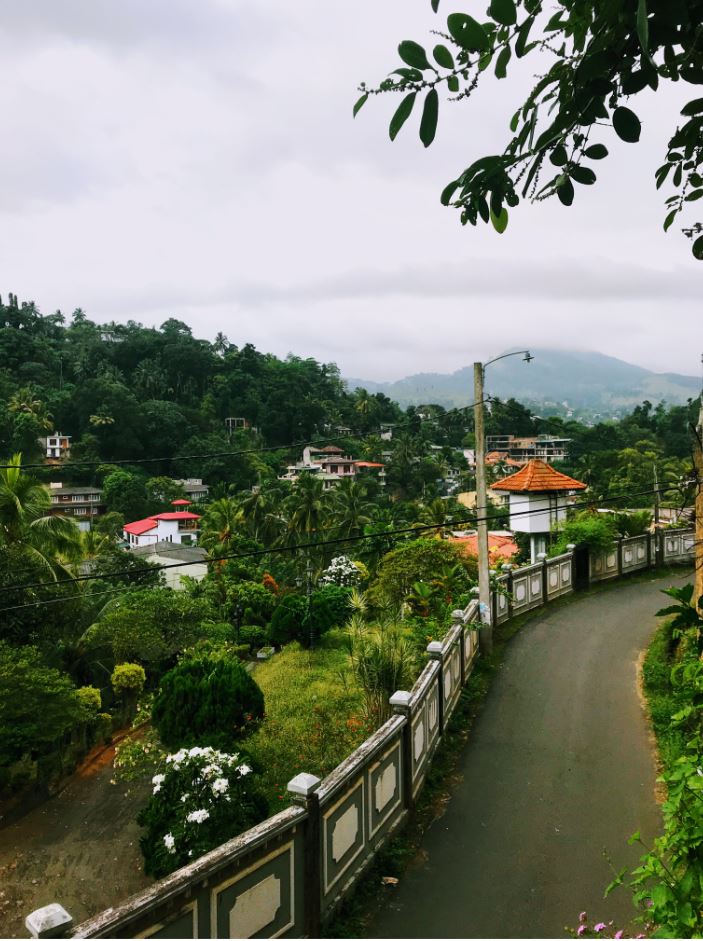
(223, 520)
(23, 402)
(261, 511)
(307, 507)
(26, 526)
(351, 508)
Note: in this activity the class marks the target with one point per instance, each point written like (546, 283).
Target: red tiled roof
(140, 526)
(180, 502)
(182, 515)
(503, 546)
(368, 464)
(538, 477)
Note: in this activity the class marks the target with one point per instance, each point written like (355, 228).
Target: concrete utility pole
(484, 585)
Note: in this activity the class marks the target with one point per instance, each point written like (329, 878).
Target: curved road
(558, 768)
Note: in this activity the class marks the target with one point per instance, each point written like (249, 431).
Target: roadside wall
(286, 877)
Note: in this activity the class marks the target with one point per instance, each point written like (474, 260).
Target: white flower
(244, 769)
(198, 816)
(157, 788)
(184, 798)
(158, 779)
(170, 843)
(220, 786)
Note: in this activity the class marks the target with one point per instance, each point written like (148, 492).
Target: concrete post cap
(52, 921)
(571, 546)
(434, 648)
(506, 567)
(474, 591)
(542, 555)
(304, 784)
(400, 698)
(458, 615)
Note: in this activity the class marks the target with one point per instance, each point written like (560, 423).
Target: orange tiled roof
(538, 477)
(503, 547)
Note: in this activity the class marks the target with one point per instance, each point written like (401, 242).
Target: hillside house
(56, 447)
(524, 449)
(194, 488)
(331, 465)
(179, 526)
(81, 504)
(167, 553)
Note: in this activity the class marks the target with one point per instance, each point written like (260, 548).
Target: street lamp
(486, 633)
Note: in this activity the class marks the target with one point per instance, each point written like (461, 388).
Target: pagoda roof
(538, 477)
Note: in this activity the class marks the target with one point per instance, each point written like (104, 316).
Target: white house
(538, 499)
(56, 446)
(179, 527)
(183, 560)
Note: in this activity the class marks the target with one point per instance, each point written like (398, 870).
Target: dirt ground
(80, 848)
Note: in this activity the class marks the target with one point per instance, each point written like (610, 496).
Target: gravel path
(558, 769)
(80, 848)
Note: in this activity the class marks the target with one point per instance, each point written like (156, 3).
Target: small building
(82, 504)
(501, 545)
(166, 553)
(194, 488)
(180, 526)
(56, 447)
(538, 496)
(524, 449)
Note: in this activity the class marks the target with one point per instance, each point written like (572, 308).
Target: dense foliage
(593, 57)
(207, 701)
(203, 798)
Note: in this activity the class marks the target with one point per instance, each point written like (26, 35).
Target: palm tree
(351, 509)
(223, 520)
(261, 512)
(307, 507)
(26, 525)
(23, 402)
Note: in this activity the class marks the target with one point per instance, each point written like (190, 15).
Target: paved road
(559, 767)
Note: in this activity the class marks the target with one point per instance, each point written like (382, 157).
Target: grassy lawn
(314, 716)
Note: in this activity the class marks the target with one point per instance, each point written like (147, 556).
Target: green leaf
(502, 62)
(448, 192)
(413, 54)
(635, 838)
(435, 5)
(565, 191)
(558, 156)
(430, 113)
(521, 47)
(627, 125)
(402, 114)
(514, 121)
(465, 30)
(596, 152)
(693, 107)
(453, 83)
(669, 219)
(500, 222)
(503, 12)
(554, 23)
(360, 104)
(443, 57)
(692, 197)
(583, 175)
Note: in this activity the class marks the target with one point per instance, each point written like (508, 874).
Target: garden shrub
(90, 702)
(595, 531)
(252, 635)
(330, 607)
(420, 560)
(287, 620)
(128, 680)
(209, 700)
(203, 798)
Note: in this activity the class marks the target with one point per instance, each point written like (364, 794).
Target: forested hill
(588, 381)
(126, 391)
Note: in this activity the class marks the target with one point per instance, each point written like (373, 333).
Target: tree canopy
(594, 57)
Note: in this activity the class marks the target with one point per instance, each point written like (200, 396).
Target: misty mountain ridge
(572, 380)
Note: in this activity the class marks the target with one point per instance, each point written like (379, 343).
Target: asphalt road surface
(559, 768)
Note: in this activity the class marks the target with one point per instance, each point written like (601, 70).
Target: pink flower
(618, 934)
(581, 930)
(600, 926)
(583, 916)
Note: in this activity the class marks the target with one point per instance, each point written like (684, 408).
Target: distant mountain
(590, 382)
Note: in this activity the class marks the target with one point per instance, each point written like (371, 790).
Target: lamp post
(486, 632)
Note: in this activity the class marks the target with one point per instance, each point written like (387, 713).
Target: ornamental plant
(341, 571)
(209, 700)
(202, 798)
(128, 681)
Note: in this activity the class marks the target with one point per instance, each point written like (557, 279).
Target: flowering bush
(201, 799)
(341, 571)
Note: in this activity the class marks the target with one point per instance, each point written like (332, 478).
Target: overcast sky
(197, 159)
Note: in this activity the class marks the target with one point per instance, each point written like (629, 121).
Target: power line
(259, 450)
(342, 540)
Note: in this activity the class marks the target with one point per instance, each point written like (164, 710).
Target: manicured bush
(596, 531)
(287, 621)
(90, 702)
(210, 700)
(252, 635)
(330, 607)
(203, 798)
(128, 681)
